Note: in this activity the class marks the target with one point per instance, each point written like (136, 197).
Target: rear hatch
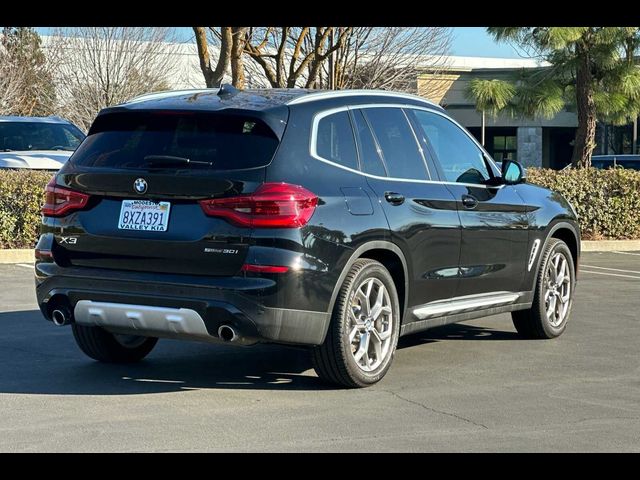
(144, 172)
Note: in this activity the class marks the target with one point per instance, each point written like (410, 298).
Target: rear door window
(397, 142)
(369, 157)
(214, 141)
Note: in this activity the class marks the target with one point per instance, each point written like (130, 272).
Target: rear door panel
(425, 224)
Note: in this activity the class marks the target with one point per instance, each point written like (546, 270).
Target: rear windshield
(25, 136)
(177, 140)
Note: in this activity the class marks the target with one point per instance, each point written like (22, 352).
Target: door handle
(394, 198)
(469, 202)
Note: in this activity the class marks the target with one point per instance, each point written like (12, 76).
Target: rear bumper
(149, 304)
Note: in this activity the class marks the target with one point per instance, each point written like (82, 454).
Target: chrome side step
(142, 319)
(464, 304)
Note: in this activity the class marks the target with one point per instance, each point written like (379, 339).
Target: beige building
(534, 142)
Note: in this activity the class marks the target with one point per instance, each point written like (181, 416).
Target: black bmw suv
(334, 220)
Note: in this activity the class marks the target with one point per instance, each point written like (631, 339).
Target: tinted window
(214, 141)
(398, 145)
(22, 136)
(369, 157)
(460, 158)
(335, 140)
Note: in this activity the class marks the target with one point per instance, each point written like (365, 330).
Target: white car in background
(38, 143)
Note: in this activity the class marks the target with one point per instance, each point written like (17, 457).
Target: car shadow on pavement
(38, 358)
(456, 331)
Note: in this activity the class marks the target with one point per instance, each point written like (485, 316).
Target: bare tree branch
(389, 58)
(237, 63)
(96, 67)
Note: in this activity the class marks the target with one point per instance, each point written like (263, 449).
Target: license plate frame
(144, 215)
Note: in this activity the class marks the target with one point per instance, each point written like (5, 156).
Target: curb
(19, 255)
(25, 255)
(610, 245)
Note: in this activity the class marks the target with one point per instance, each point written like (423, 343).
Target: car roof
(16, 118)
(251, 99)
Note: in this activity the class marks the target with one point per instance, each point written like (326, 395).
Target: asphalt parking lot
(468, 387)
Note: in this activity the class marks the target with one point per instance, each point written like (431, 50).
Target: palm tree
(593, 68)
(491, 96)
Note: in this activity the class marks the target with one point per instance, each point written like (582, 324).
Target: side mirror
(512, 172)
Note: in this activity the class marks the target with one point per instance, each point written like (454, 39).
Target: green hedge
(21, 195)
(606, 200)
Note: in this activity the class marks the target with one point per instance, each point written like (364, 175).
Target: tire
(536, 323)
(335, 360)
(106, 347)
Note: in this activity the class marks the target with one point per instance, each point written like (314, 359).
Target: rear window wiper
(169, 159)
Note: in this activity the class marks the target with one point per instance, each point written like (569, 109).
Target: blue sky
(475, 42)
(467, 41)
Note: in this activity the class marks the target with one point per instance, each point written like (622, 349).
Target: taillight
(272, 205)
(59, 201)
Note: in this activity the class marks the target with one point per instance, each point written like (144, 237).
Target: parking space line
(609, 268)
(611, 274)
(626, 253)
(24, 265)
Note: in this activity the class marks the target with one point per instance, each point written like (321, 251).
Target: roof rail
(167, 94)
(323, 95)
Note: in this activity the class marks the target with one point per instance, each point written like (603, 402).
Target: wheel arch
(569, 234)
(389, 255)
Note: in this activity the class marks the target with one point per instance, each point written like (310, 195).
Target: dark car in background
(613, 161)
(37, 143)
(338, 221)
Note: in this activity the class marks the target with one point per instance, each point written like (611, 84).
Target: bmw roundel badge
(140, 186)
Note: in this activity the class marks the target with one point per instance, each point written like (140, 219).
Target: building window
(505, 147)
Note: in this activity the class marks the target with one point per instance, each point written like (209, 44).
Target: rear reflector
(62, 201)
(272, 205)
(42, 254)
(264, 268)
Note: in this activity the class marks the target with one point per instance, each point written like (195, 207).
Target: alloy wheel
(557, 293)
(370, 324)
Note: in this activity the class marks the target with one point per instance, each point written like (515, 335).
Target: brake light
(264, 268)
(59, 201)
(272, 205)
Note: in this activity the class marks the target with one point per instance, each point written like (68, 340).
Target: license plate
(144, 215)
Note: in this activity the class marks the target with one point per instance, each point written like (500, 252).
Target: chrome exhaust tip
(60, 317)
(227, 333)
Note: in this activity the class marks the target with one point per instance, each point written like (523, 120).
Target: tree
(97, 67)
(490, 96)
(387, 57)
(292, 56)
(281, 57)
(324, 57)
(26, 87)
(595, 68)
(231, 46)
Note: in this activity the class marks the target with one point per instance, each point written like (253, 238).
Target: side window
(335, 140)
(397, 142)
(461, 159)
(369, 158)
